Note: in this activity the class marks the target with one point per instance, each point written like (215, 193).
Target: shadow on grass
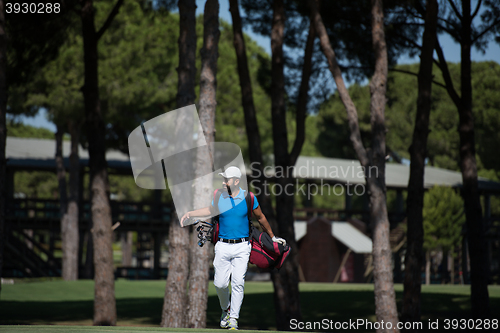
(257, 311)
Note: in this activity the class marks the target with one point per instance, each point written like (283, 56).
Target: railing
(145, 212)
(45, 214)
(123, 210)
(24, 256)
(304, 214)
(33, 208)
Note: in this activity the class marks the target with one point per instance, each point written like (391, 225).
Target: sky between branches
(451, 50)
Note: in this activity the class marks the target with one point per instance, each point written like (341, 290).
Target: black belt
(234, 241)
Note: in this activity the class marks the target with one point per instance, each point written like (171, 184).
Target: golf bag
(215, 231)
(265, 253)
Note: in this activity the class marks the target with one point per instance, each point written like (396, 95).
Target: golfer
(232, 250)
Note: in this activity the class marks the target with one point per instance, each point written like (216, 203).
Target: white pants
(231, 260)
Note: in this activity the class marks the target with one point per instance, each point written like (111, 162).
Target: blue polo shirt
(233, 222)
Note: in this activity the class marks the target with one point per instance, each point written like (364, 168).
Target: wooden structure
(333, 252)
(29, 254)
(33, 225)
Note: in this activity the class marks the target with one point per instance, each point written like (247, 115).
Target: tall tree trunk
(451, 260)
(174, 307)
(3, 131)
(251, 126)
(468, 165)
(69, 243)
(286, 281)
(104, 291)
(427, 267)
(175, 302)
(88, 269)
(373, 161)
(385, 297)
(72, 227)
(418, 151)
(286, 294)
(301, 112)
(126, 245)
(199, 256)
(289, 276)
(473, 211)
(445, 274)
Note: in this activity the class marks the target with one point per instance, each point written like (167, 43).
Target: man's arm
(263, 221)
(265, 225)
(196, 213)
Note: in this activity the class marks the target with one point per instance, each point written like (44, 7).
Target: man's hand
(279, 240)
(184, 217)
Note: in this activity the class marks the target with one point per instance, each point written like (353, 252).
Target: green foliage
(402, 93)
(136, 71)
(36, 185)
(494, 200)
(333, 139)
(20, 130)
(309, 148)
(443, 144)
(61, 80)
(229, 118)
(348, 25)
(443, 216)
(123, 188)
(138, 56)
(137, 62)
(34, 40)
(486, 104)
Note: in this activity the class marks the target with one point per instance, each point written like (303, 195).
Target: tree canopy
(137, 60)
(443, 218)
(20, 130)
(400, 115)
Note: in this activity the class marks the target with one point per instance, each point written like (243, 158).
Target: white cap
(231, 172)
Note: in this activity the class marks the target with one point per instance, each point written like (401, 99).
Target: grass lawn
(93, 329)
(139, 305)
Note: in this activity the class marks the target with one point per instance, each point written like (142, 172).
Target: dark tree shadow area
(257, 311)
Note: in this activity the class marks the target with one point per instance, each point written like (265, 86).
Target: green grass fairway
(139, 305)
(93, 329)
